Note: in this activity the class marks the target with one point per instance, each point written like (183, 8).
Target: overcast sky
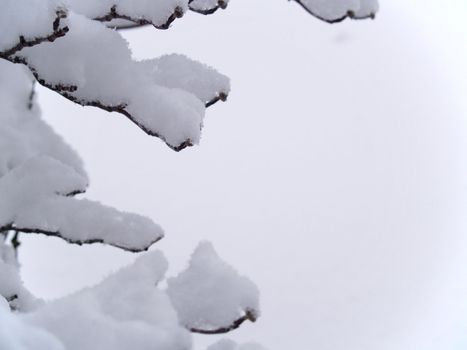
(335, 176)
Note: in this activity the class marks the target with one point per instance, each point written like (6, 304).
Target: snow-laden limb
(227, 344)
(87, 76)
(35, 198)
(16, 334)
(207, 7)
(210, 296)
(125, 311)
(180, 72)
(12, 290)
(27, 23)
(333, 11)
(160, 13)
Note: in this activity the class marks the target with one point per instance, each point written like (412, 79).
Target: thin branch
(58, 32)
(222, 96)
(113, 14)
(349, 14)
(250, 315)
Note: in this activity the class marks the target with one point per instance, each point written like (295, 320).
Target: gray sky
(335, 176)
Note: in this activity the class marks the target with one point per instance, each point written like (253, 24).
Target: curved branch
(72, 241)
(58, 32)
(137, 22)
(250, 315)
(65, 91)
(349, 14)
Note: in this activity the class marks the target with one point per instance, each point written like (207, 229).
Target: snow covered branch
(141, 19)
(59, 30)
(339, 10)
(210, 296)
(207, 7)
(249, 316)
(40, 174)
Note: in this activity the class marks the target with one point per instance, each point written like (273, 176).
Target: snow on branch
(338, 10)
(207, 7)
(125, 311)
(210, 296)
(58, 30)
(35, 198)
(173, 111)
(159, 14)
(39, 174)
(11, 285)
(26, 23)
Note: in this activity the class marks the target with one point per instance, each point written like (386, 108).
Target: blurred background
(335, 176)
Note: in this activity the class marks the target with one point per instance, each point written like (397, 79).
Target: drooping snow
(210, 294)
(336, 10)
(173, 114)
(34, 197)
(125, 311)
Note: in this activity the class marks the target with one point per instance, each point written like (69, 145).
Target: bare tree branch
(250, 315)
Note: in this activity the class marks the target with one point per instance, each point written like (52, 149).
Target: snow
(207, 5)
(38, 170)
(180, 72)
(173, 114)
(15, 334)
(40, 176)
(28, 18)
(34, 197)
(155, 12)
(125, 311)
(12, 291)
(339, 9)
(210, 294)
(23, 133)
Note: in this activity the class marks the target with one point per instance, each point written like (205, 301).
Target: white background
(335, 176)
